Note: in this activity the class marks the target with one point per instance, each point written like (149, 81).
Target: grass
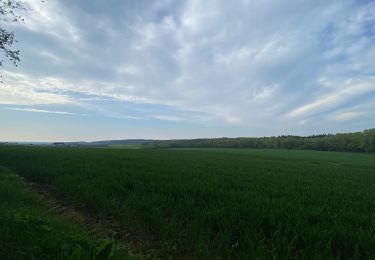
(29, 231)
(219, 203)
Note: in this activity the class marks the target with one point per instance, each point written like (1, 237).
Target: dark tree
(8, 14)
(349, 142)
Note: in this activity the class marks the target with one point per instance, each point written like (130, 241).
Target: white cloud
(127, 117)
(167, 118)
(53, 57)
(243, 63)
(49, 17)
(365, 111)
(338, 96)
(347, 116)
(130, 69)
(20, 89)
(34, 110)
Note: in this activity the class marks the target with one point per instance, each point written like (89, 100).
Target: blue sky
(94, 69)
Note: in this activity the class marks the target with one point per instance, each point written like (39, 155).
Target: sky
(120, 69)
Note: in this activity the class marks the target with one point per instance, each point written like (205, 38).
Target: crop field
(28, 230)
(217, 203)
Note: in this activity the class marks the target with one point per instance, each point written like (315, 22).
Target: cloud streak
(339, 96)
(35, 110)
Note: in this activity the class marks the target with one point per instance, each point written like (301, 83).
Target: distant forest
(341, 142)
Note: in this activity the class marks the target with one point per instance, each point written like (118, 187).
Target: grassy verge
(29, 231)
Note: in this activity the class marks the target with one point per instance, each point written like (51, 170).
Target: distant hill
(104, 143)
(340, 142)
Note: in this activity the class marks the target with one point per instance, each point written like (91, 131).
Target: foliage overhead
(8, 14)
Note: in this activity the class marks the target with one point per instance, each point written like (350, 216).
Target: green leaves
(105, 250)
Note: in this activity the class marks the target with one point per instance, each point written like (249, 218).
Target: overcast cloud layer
(95, 69)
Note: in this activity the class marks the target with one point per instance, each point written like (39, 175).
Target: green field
(29, 230)
(217, 204)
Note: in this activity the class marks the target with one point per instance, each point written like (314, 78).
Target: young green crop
(29, 231)
(227, 203)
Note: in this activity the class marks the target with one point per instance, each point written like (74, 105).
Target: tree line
(341, 142)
